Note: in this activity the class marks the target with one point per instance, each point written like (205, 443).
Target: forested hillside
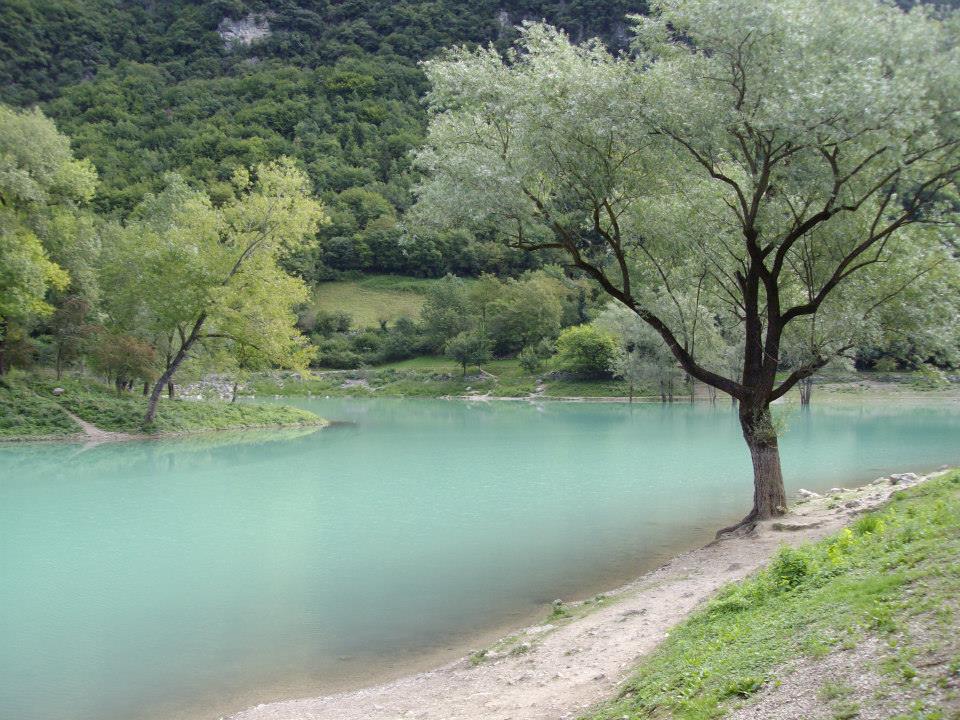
(204, 87)
(145, 147)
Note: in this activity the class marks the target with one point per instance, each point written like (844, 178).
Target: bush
(369, 343)
(327, 323)
(532, 357)
(790, 568)
(337, 353)
(585, 351)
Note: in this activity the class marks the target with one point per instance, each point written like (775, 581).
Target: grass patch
(867, 579)
(372, 299)
(24, 414)
(101, 406)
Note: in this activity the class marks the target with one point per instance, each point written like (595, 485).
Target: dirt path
(95, 434)
(556, 673)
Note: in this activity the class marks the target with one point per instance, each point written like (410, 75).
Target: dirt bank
(559, 669)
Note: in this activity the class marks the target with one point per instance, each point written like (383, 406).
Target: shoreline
(99, 436)
(559, 669)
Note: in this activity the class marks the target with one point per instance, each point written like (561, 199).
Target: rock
(835, 491)
(734, 566)
(852, 504)
(58, 391)
(244, 31)
(903, 478)
(624, 616)
(793, 527)
(537, 629)
(807, 494)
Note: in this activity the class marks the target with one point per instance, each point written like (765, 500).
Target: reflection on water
(175, 577)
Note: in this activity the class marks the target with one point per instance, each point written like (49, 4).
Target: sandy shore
(553, 672)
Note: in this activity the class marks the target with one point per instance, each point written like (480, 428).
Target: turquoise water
(189, 578)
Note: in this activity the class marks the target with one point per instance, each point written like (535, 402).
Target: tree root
(744, 528)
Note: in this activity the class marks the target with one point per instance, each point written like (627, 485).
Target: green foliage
(756, 118)
(533, 357)
(929, 378)
(468, 348)
(26, 414)
(445, 313)
(97, 404)
(807, 601)
(586, 351)
(40, 184)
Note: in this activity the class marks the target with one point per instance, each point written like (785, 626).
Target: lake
(189, 578)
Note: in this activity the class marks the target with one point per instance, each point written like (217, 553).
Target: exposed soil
(556, 671)
(94, 434)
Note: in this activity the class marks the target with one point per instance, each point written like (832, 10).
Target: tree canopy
(767, 162)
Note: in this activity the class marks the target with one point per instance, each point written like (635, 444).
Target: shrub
(585, 351)
(328, 323)
(338, 354)
(868, 524)
(532, 357)
(928, 377)
(790, 568)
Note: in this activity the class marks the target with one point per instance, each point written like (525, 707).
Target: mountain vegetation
(219, 185)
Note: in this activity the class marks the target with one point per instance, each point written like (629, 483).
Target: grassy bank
(439, 377)
(877, 602)
(25, 414)
(29, 410)
(436, 377)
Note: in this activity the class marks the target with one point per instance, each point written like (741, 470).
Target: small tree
(189, 272)
(772, 152)
(124, 359)
(445, 312)
(468, 348)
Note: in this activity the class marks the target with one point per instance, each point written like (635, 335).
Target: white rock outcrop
(244, 31)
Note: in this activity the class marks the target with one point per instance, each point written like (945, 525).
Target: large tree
(185, 272)
(773, 151)
(41, 183)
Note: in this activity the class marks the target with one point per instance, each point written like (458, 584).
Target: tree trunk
(167, 378)
(146, 388)
(631, 392)
(164, 381)
(806, 390)
(233, 395)
(769, 494)
(59, 361)
(170, 390)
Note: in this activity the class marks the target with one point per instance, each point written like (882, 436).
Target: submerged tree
(774, 150)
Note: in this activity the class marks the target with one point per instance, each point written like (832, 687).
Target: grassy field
(890, 582)
(372, 299)
(28, 410)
